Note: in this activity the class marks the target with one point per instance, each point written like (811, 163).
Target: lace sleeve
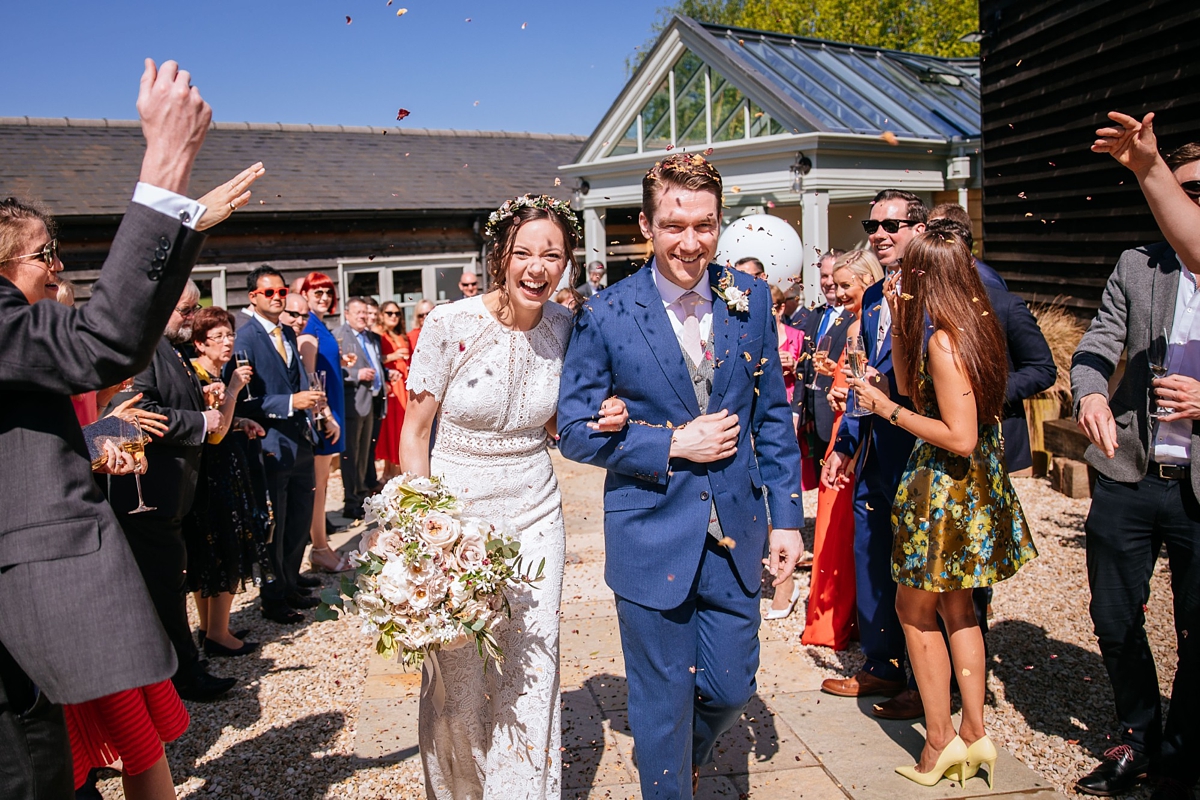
(434, 357)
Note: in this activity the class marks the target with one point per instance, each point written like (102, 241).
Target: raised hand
(1133, 144)
(174, 121)
(228, 197)
(707, 438)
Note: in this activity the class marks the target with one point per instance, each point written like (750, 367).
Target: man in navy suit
(279, 399)
(877, 453)
(691, 348)
(811, 404)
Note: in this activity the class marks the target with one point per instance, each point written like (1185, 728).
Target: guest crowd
(227, 425)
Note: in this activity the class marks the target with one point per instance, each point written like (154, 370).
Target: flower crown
(546, 203)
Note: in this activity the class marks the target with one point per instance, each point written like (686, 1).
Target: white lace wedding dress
(498, 735)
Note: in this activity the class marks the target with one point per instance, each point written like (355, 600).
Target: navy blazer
(888, 446)
(656, 510)
(272, 388)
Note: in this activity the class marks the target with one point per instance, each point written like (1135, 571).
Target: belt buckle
(1170, 472)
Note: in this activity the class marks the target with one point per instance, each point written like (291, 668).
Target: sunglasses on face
(464, 285)
(321, 292)
(889, 225)
(422, 316)
(1192, 188)
(269, 293)
(47, 255)
(391, 313)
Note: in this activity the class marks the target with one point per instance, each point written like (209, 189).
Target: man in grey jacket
(1145, 496)
(77, 621)
(363, 382)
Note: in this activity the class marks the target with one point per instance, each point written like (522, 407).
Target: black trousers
(35, 751)
(293, 491)
(1127, 526)
(158, 546)
(357, 456)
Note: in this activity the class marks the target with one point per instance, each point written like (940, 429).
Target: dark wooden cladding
(1055, 215)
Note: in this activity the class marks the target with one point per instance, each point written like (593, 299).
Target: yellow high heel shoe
(951, 764)
(981, 751)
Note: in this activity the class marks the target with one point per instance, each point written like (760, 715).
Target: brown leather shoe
(906, 705)
(863, 683)
(695, 780)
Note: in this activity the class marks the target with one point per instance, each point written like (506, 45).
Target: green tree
(933, 27)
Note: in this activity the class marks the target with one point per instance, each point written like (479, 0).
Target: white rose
(460, 593)
(470, 553)
(424, 486)
(440, 530)
(394, 583)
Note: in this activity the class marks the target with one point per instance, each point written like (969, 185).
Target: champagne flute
(242, 358)
(856, 357)
(134, 443)
(821, 357)
(810, 350)
(1157, 355)
(316, 380)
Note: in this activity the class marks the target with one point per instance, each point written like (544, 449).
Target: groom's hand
(707, 438)
(786, 549)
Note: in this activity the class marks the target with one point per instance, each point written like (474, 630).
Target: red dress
(388, 445)
(832, 619)
(130, 725)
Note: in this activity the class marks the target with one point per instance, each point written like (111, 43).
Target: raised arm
(1134, 145)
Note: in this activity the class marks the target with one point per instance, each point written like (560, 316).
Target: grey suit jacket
(1138, 305)
(359, 394)
(74, 611)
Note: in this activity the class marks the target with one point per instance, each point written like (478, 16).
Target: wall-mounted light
(578, 193)
(800, 167)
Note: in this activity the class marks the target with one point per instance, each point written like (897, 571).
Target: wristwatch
(895, 414)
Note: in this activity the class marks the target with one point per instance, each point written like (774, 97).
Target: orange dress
(388, 445)
(832, 619)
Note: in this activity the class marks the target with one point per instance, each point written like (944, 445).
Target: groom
(710, 436)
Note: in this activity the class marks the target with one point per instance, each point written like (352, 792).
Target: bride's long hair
(501, 247)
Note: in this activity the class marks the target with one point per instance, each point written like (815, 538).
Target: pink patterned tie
(691, 327)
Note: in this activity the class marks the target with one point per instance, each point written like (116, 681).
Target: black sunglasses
(391, 313)
(47, 255)
(1192, 188)
(889, 225)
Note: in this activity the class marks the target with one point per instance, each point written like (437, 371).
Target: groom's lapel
(651, 317)
(726, 332)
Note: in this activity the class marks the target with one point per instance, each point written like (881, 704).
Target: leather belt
(1170, 472)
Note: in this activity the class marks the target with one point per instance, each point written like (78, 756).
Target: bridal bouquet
(428, 579)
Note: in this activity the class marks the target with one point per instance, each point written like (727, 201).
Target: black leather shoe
(307, 582)
(283, 615)
(198, 686)
(1121, 770)
(212, 648)
(1171, 789)
(298, 600)
(202, 635)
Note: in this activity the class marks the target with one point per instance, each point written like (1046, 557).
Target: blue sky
(271, 61)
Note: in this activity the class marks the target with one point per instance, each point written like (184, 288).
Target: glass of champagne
(316, 382)
(134, 443)
(1158, 368)
(242, 359)
(821, 357)
(856, 358)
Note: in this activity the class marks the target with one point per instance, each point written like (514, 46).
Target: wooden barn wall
(316, 241)
(1055, 215)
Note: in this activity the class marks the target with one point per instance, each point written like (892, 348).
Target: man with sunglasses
(897, 217)
(468, 284)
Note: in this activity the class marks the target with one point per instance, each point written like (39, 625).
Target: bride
(487, 368)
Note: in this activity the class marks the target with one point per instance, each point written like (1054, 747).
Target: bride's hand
(613, 416)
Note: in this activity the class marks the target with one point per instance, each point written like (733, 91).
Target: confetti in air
(348, 19)
(524, 25)
(401, 12)
(890, 138)
(401, 114)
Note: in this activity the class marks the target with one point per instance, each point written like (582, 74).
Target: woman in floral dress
(958, 523)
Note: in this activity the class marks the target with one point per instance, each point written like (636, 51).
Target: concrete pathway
(792, 742)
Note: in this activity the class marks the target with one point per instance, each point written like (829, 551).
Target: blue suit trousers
(879, 630)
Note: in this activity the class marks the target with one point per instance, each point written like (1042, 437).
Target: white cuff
(177, 206)
(290, 409)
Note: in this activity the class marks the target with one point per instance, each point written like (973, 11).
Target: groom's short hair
(679, 171)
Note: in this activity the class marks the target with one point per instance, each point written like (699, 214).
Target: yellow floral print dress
(958, 523)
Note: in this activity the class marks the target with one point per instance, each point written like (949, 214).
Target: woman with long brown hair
(396, 354)
(958, 523)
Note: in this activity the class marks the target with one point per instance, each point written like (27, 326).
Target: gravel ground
(1050, 702)
(288, 729)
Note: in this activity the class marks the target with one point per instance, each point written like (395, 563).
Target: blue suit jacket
(887, 446)
(272, 388)
(656, 510)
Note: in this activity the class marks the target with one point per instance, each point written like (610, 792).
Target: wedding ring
(232, 207)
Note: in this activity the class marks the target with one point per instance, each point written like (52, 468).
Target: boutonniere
(735, 298)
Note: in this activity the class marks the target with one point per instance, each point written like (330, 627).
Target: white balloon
(772, 240)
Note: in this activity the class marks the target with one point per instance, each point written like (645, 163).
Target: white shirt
(269, 326)
(1173, 440)
(185, 209)
(671, 294)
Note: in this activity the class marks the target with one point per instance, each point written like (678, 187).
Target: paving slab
(863, 751)
(387, 729)
(590, 637)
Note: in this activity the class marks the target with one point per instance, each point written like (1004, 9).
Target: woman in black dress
(226, 527)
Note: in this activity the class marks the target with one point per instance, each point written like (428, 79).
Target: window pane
(627, 143)
(656, 119)
(689, 105)
(776, 128)
(727, 117)
(759, 121)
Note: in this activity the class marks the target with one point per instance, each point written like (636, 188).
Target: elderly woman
(225, 531)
